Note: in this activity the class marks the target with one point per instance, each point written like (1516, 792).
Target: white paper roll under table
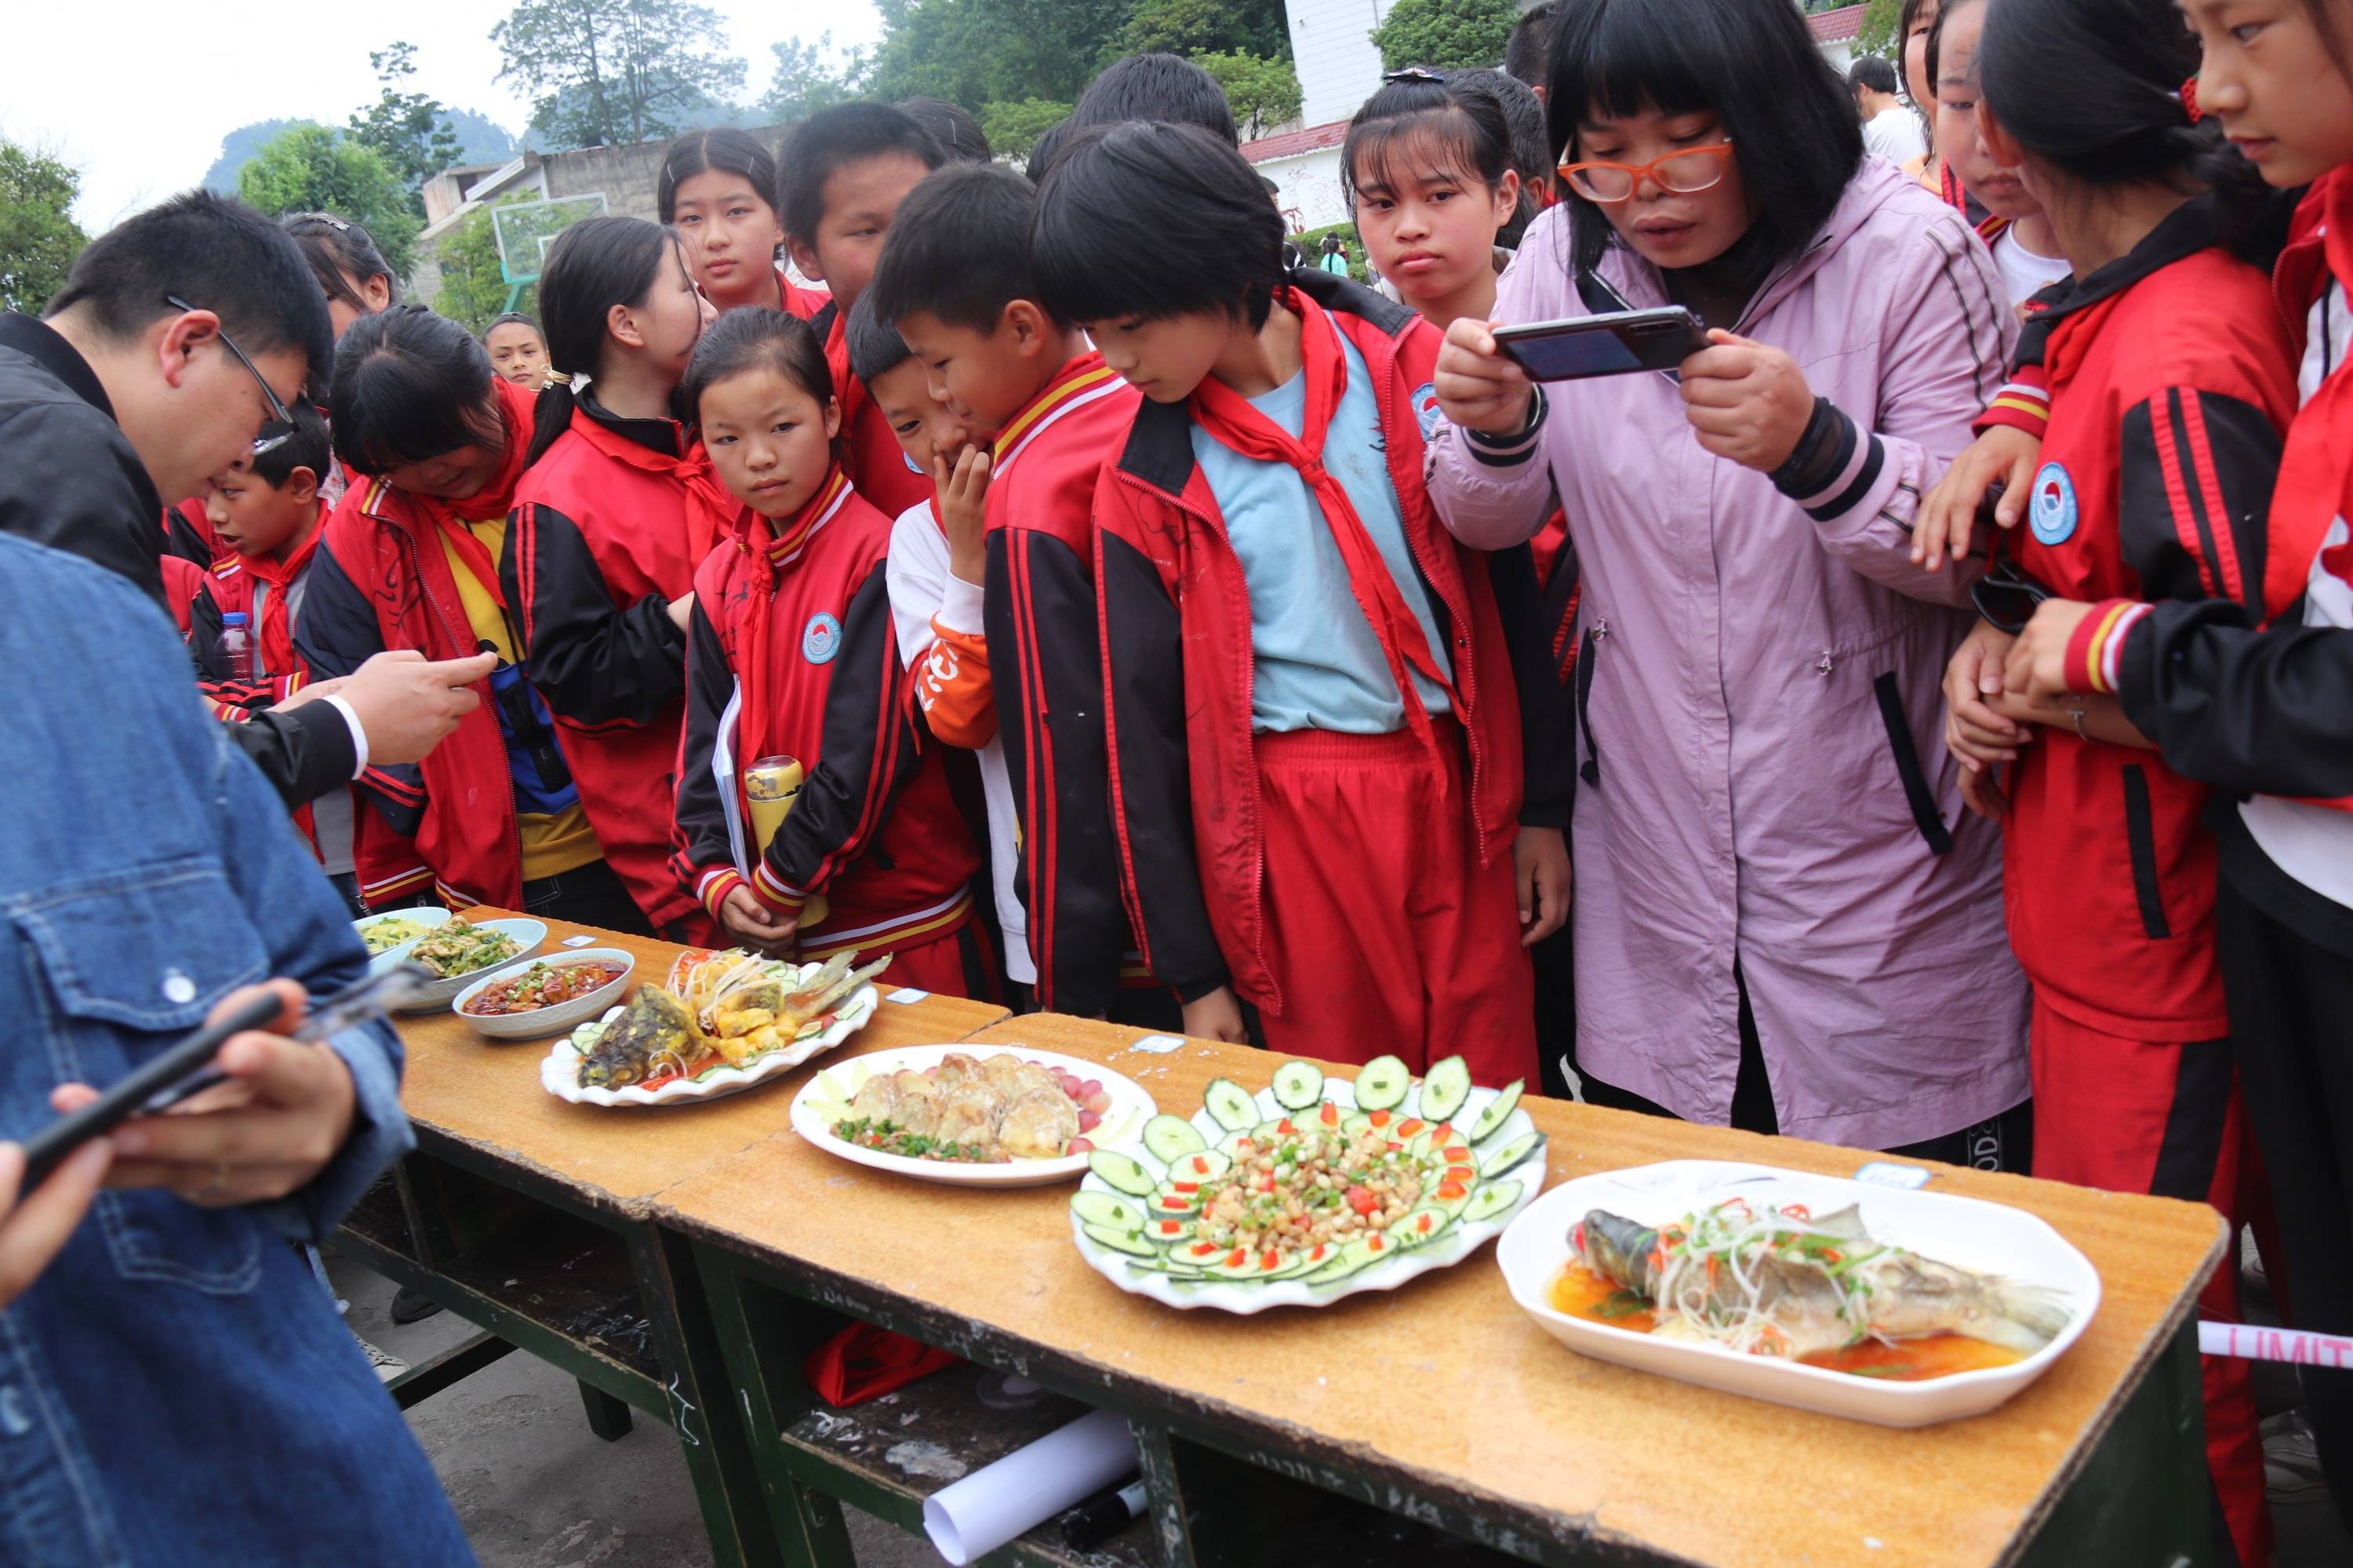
(1029, 1486)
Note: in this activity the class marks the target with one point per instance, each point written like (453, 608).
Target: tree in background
(1448, 34)
(1263, 92)
(806, 80)
(1013, 128)
(611, 72)
(473, 289)
(1880, 20)
(409, 131)
(1199, 28)
(979, 52)
(39, 237)
(308, 168)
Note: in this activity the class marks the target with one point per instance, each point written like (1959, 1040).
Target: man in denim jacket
(175, 1387)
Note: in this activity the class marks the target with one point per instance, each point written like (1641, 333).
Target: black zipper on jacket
(1590, 770)
(2140, 839)
(1923, 801)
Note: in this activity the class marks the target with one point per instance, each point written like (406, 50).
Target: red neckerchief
(774, 547)
(845, 388)
(495, 499)
(277, 629)
(711, 509)
(1229, 417)
(2315, 473)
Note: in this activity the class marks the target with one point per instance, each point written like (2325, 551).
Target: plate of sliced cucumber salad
(1310, 1189)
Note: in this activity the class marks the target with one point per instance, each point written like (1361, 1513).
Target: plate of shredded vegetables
(462, 951)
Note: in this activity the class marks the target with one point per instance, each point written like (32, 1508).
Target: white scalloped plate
(1130, 1108)
(559, 1070)
(1459, 1241)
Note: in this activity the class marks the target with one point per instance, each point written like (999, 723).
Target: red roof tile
(1836, 26)
(1291, 144)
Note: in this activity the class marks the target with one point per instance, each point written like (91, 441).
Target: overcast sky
(138, 94)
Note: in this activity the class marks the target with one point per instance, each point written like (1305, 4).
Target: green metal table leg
(2140, 1500)
(763, 1365)
(719, 1458)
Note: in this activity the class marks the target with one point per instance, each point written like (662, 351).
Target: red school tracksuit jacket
(1040, 614)
(2183, 671)
(609, 526)
(883, 472)
(791, 650)
(382, 581)
(2170, 380)
(1177, 660)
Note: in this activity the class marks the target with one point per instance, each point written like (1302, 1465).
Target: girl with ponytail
(718, 190)
(616, 509)
(2170, 380)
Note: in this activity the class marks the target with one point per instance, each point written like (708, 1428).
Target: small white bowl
(437, 996)
(540, 1022)
(428, 916)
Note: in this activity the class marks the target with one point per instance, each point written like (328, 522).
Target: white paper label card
(583, 940)
(908, 994)
(1157, 1044)
(1881, 1174)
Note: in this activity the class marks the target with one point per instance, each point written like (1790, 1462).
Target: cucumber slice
(1102, 1209)
(1234, 1108)
(1454, 1197)
(1499, 1111)
(1127, 1241)
(1168, 1230)
(1274, 1134)
(1327, 1119)
(1298, 1084)
(1196, 1255)
(1199, 1169)
(1254, 1264)
(1123, 1173)
(1381, 1083)
(1511, 1154)
(1489, 1201)
(1444, 1088)
(1163, 1264)
(1171, 1137)
(1167, 1204)
(1353, 1258)
(1237, 1146)
(1422, 1226)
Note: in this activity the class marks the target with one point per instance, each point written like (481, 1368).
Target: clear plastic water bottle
(238, 651)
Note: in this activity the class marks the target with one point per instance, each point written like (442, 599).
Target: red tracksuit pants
(1383, 932)
(2137, 1116)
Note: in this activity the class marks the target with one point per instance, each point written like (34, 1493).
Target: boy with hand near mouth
(956, 279)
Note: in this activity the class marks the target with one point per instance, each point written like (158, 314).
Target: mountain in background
(484, 141)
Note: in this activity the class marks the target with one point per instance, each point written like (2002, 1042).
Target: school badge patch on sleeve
(1426, 412)
(822, 639)
(2051, 510)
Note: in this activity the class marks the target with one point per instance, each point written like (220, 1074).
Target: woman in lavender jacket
(1784, 918)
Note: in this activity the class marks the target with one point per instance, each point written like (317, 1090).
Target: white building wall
(1310, 184)
(1332, 46)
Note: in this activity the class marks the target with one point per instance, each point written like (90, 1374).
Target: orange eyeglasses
(1679, 173)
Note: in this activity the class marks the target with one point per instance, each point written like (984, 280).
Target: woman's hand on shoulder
(1747, 400)
(1480, 388)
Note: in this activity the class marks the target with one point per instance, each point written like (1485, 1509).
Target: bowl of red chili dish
(546, 996)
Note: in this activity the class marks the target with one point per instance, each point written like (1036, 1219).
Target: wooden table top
(1447, 1384)
(486, 1095)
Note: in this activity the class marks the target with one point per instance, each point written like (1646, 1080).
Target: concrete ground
(535, 1488)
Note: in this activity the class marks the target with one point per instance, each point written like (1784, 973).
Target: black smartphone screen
(1620, 344)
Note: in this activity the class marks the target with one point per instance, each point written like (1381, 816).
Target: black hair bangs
(1613, 59)
(830, 140)
(1790, 117)
(753, 338)
(410, 386)
(1410, 130)
(875, 346)
(1153, 221)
